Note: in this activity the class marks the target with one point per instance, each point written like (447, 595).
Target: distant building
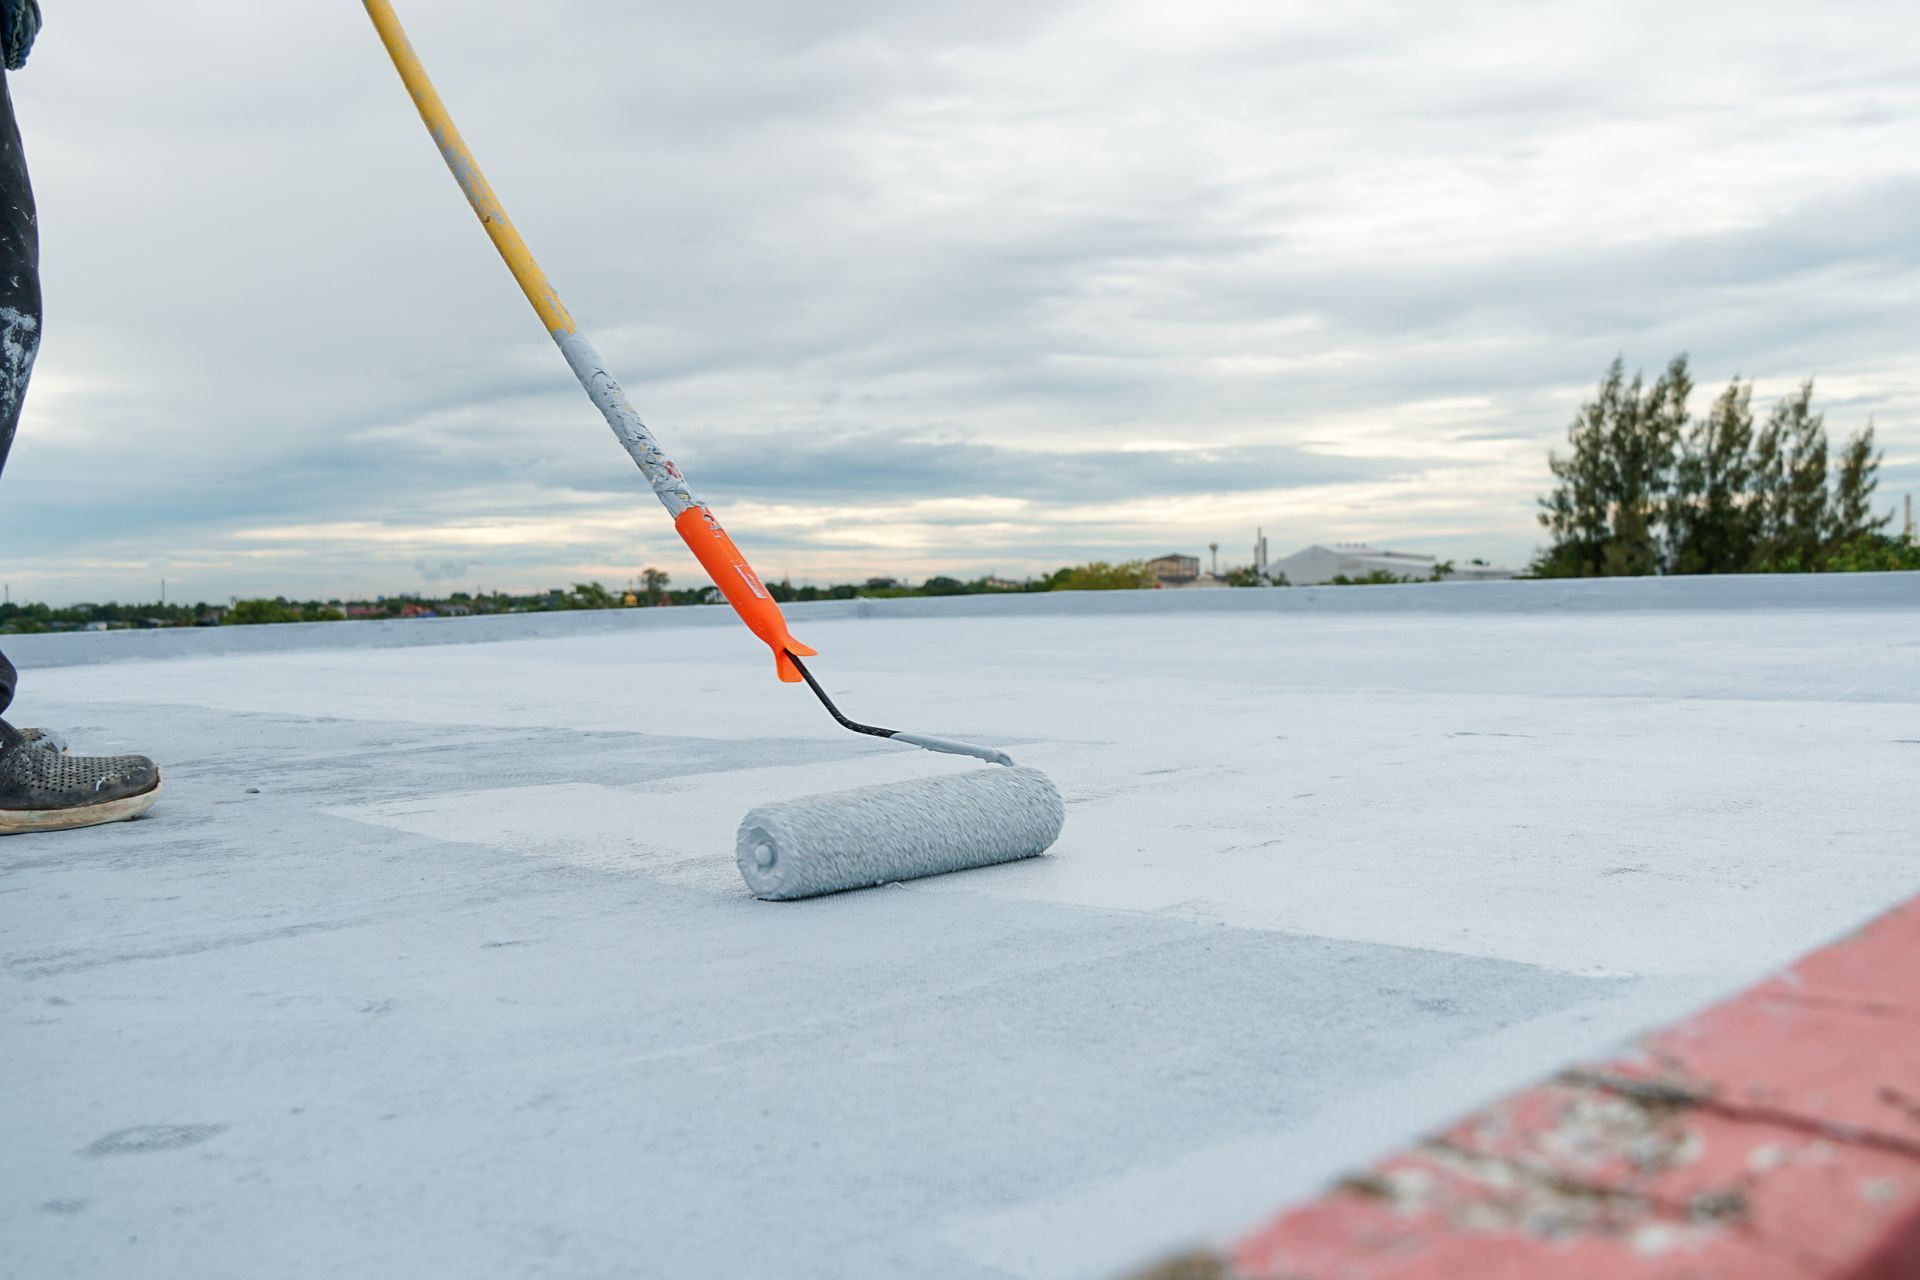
(1002, 584)
(411, 610)
(1324, 563)
(1174, 570)
(1178, 572)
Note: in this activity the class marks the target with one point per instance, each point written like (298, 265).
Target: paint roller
(816, 844)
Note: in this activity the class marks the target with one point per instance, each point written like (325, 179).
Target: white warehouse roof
(1322, 563)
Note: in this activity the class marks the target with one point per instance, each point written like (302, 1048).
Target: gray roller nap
(897, 831)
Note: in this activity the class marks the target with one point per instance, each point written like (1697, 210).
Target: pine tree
(1576, 511)
(1807, 497)
(1793, 485)
(1852, 511)
(1712, 520)
(1645, 492)
(1613, 488)
(1770, 516)
(1642, 449)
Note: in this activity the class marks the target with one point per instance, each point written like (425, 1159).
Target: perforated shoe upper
(33, 775)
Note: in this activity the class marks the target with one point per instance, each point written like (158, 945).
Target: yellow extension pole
(466, 171)
(692, 518)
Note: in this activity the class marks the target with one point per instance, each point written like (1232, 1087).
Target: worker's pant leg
(19, 298)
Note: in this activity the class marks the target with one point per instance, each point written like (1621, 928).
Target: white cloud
(858, 260)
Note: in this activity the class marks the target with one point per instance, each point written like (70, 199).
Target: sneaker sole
(14, 822)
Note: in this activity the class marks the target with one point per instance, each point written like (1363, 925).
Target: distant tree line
(652, 589)
(16, 618)
(1644, 488)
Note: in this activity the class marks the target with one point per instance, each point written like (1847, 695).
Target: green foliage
(1796, 524)
(1052, 581)
(654, 590)
(1874, 553)
(1371, 578)
(1098, 575)
(29, 618)
(654, 583)
(591, 595)
(1248, 576)
(1614, 482)
(248, 613)
(1713, 523)
(1852, 520)
(244, 613)
(1644, 490)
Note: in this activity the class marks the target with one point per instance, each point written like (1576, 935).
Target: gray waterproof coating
(898, 831)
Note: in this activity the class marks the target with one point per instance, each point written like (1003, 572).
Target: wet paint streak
(1773, 1135)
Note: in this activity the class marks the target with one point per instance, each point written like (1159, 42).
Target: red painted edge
(1776, 1134)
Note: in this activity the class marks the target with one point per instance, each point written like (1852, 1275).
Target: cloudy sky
(910, 289)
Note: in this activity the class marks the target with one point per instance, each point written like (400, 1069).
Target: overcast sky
(911, 289)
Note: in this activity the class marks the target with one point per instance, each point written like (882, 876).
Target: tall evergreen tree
(1644, 491)
(1642, 456)
(1607, 508)
(1859, 475)
(1771, 517)
(1793, 486)
(1712, 521)
(1576, 511)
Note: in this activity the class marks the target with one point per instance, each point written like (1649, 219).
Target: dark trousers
(19, 299)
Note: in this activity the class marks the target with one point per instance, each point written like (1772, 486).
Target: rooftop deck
(434, 960)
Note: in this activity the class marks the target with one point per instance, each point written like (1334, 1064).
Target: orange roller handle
(741, 586)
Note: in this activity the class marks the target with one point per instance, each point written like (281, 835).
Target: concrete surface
(434, 961)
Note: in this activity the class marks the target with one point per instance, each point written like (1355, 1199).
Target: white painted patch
(19, 344)
(680, 830)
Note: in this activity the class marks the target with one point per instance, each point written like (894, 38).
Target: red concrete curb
(1776, 1134)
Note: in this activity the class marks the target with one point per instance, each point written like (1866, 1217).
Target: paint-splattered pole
(692, 518)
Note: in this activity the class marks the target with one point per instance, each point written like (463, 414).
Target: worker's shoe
(42, 788)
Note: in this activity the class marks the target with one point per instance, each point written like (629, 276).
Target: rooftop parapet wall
(1774, 1135)
(1853, 591)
